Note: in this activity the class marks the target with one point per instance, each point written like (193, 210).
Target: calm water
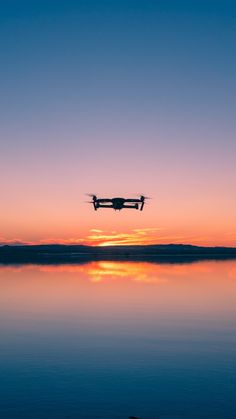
(117, 339)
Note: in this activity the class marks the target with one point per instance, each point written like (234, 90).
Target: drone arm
(103, 200)
(133, 200)
(130, 206)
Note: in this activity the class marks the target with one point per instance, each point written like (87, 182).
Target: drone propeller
(143, 200)
(91, 195)
(143, 197)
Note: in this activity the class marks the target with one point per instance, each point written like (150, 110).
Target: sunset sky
(118, 98)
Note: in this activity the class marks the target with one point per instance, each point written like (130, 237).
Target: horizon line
(29, 244)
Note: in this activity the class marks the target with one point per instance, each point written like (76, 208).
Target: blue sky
(138, 92)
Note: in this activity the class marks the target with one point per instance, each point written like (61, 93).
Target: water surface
(116, 339)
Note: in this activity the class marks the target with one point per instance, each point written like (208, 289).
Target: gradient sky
(118, 97)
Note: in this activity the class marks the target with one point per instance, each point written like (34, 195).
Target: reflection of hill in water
(62, 254)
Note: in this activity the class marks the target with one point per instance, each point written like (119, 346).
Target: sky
(118, 98)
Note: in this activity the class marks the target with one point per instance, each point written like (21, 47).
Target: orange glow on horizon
(137, 236)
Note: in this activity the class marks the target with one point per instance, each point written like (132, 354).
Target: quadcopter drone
(118, 203)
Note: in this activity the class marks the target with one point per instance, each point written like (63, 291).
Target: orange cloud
(136, 236)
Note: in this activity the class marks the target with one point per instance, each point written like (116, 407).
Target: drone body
(118, 203)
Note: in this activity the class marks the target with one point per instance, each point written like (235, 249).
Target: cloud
(136, 236)
(149, 229)
(13, 242)
(69, 241)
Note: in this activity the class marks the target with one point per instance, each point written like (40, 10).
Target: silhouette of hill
(160, 253)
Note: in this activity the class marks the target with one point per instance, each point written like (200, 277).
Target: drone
(118, 203)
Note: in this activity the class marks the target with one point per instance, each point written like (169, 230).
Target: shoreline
(78, 254)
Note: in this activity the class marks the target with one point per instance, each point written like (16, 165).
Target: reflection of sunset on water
(104, 297)
(99, 271)
(109, 270)
(134, 271)
(185, 282)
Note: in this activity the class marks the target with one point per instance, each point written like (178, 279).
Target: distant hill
(159, 253)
